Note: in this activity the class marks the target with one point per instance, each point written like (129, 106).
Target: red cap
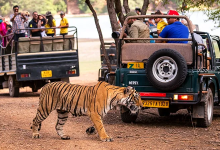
(172, 12)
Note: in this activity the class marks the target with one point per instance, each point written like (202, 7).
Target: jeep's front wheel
(208, 104)
(166, 69)
(126, 115)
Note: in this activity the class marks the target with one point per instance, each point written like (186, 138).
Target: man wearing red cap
(174, 29)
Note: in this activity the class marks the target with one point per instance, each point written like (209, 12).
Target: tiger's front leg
(97, 120)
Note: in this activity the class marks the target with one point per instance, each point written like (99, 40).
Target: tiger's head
(131, 100)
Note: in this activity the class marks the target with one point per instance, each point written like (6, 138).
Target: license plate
(157, 104)
(135, 65)
(46, 74)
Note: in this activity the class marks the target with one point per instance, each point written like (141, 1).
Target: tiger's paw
(65, 137)
(107, 139)
(91, 131)
(35, 136)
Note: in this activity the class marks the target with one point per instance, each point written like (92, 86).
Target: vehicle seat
(68, 42)
(47, 43)
(136, 52)
(35, 45)
(57, 43)
(23, 45)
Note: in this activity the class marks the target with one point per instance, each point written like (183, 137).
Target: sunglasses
(15, 9)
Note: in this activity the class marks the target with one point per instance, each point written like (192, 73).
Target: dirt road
(149, 132)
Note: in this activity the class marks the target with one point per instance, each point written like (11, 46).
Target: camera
(115, 34)
(19, 13)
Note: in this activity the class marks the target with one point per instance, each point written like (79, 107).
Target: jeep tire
(164, 111)
(166, 69)
(207, 103)
(13, 87)
(126, 115)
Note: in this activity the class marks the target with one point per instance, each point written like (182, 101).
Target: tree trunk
(118, 10)
(126, 7)
(113, 19)
(144, 7)
(100, 34)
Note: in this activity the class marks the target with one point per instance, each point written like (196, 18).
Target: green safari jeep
(171, 76)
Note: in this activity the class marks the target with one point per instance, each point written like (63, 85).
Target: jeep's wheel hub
(164, 69)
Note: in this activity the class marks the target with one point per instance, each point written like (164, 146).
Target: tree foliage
(210, 7)
(41, 6)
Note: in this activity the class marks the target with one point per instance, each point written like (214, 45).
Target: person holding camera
(17, 20)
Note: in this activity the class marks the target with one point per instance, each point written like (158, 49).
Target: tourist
(35, 23)
(137, 30)
(174, 29)
(51, 23)
(63, 24)
(161, 24)
(3, 31)
(17, 20)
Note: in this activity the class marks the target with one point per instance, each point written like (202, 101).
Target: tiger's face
(131, 100)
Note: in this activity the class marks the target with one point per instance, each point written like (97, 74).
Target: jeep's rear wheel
(126, 115)
(13, 88)
(207, 103)
(166, 69)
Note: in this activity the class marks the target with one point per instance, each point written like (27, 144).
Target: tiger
(93, 101)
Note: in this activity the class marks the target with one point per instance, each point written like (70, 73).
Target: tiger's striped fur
(94, 101)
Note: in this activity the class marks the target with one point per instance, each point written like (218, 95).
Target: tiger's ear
(128, 90)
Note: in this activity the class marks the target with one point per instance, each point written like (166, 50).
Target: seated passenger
(197, 37)
(160, 22)
(35, 23)
(174, 29)
(137, 29)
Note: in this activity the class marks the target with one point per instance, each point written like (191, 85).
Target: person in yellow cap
(137, 29)
(64, 24)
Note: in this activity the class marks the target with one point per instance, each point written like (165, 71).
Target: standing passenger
(51, 23)
(17, 20)
(35, 23)
(63, 24)
(3, 31)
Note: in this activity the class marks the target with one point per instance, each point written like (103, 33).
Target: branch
(126, 7)
(100, 34)
(118, 10)
(144, 7)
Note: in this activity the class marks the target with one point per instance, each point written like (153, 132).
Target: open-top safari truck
(171, 76)
(38, 60)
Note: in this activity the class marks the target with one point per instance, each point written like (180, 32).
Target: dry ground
(149, 132)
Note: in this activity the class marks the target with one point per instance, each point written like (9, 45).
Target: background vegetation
(210, 7)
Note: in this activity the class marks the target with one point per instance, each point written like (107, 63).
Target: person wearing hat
(138, 10)
(174, 29)
(160, 22)
(137, 29)
(64, 24)
(51, 23)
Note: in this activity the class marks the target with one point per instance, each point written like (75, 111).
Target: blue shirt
(175, 30)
